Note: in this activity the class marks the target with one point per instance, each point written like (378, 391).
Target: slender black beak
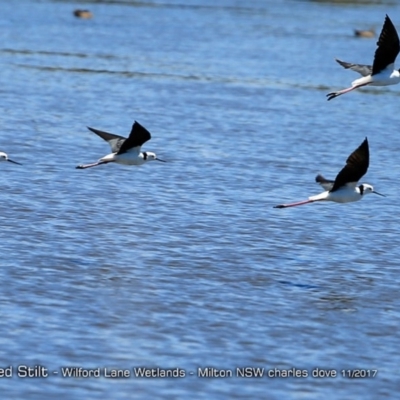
(14, 161)
(158, 159)
(379, 194)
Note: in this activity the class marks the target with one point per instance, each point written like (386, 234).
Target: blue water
(186, 264)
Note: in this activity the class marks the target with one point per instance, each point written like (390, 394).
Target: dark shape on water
(366, 33)
(84, 14)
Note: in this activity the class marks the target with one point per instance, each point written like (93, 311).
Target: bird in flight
(381, 72)
(125, 151)
(345, 188)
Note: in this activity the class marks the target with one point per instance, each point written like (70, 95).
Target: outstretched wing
(325, 183)
(114, 141)
(363, 70)
(137, 137)
(388, 47)
(356, 167)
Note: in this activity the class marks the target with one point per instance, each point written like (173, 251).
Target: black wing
(114, 141)
(356, 167)
(364, 70)
(137, 137)
(388, 47)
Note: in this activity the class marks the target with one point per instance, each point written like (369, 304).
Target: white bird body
(131, 157)
(346, 194)
(340, 196)
(387, 77)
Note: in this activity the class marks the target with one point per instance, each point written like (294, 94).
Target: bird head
(149, 156)
(365, 189)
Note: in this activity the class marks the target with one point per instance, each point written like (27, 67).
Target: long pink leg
(340, 92)
(83, 166)
(299, 203)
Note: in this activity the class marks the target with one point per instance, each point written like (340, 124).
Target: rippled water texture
(187, 264)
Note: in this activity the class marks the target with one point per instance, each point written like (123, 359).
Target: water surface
(186, 264)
